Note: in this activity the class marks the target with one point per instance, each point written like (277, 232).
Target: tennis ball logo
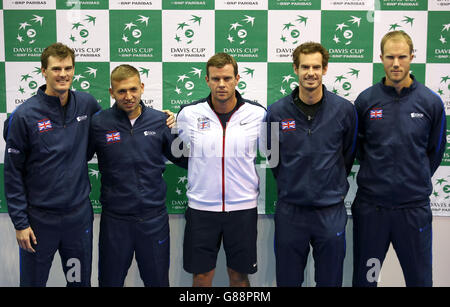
(28, 84)
(132, 32)
(291, 30)
(185, 30)
(238, 32)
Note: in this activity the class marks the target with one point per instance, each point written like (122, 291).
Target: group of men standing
(310, 138)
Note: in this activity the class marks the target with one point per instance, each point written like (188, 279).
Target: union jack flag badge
(44, 125)
(112, 137)
(376, 114)
(203, 123)
(288, 124)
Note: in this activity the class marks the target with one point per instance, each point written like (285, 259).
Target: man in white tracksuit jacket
(222, 132)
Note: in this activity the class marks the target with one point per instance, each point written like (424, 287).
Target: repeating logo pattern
(170, 41)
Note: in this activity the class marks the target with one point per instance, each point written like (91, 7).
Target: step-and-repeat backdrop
(169, 41)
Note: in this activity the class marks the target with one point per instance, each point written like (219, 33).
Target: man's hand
(24, 238)
(170, 122)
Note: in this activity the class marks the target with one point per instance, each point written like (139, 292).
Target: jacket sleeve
(437, 139)
(16, 136)
(360, 138)
(350, 139)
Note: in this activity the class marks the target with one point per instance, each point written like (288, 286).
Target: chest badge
(45, 125)
(203, 123)
(112, 137)
(376, 114)
(288, 124)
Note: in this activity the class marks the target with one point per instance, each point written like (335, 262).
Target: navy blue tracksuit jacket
(131, 160)
(316, 155)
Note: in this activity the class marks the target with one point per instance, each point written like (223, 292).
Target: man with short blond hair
(132, 142)
(401, 144)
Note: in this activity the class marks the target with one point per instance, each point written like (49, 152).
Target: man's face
(127, 94)
(310, 71)
(222, 83)
(396, 60)
(58, 75)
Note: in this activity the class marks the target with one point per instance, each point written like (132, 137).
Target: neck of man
(135, 113)
(398, 86)
(223, 107)
(63, 96)
(310, 96)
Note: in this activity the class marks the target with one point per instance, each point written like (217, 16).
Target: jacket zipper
(223, 155)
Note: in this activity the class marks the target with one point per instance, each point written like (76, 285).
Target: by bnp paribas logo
(438, 38)
(348, 35)
(30, 32)
(135, 36)
(242, 35)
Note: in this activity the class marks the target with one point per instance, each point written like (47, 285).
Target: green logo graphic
(242, 34)
(94, 178)
(28, 83)
(401, 24)
(281, 81)
(183, 83)
(80, 31)
(291, 30)
(177, 183)
(30, 33)
(135, 35)
(294, 5)
(93, 77)
(438, 40)
(342, 83)
(347, 35)
(186, 30)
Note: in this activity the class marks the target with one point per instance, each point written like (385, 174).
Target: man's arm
(350, 140)
(438, 139)
(16, 137)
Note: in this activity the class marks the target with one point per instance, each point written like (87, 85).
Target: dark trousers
(70, 234)
(120, 239)
(296, 228)
(409, 231)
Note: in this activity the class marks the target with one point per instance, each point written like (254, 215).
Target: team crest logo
(44, 125)
(203, 123)
(112, 137)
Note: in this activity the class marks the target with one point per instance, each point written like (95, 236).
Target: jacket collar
(294, 93)
(405, 91)
(240, 101)
(52, 100)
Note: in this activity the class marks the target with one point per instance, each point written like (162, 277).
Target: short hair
(221, 59)
(308, 48)
(397, 35)
(123, 72)
(58, 50)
